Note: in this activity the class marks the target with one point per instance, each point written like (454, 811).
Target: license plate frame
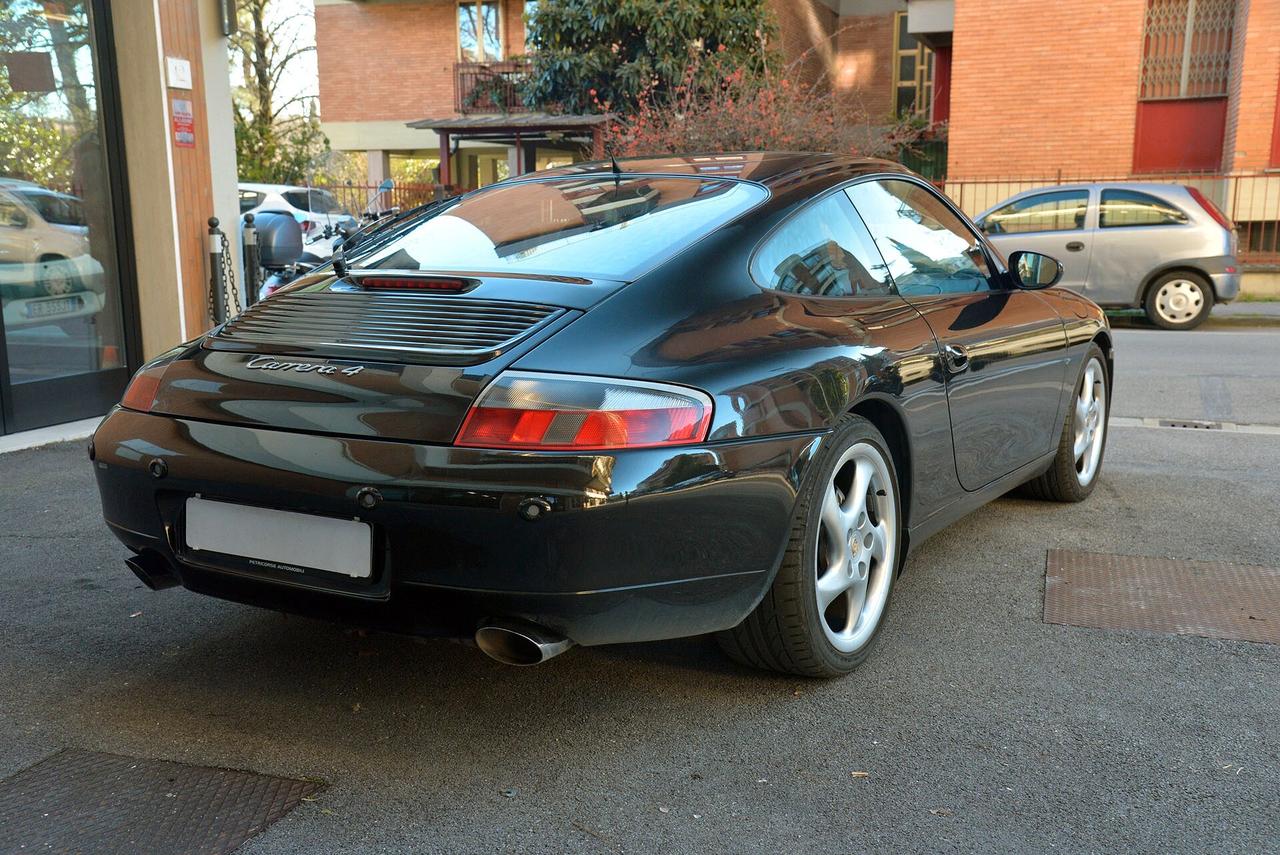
(274, 540)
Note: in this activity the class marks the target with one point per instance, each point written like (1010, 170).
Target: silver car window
(1121, 208)
(1059, 211)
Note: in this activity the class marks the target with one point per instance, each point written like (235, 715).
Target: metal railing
(489, 87)
(1250, 200)
(354, 198)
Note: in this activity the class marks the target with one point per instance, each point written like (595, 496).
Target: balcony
(488, 87)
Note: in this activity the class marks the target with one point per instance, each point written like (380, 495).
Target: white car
(46, 272)
(313, 209)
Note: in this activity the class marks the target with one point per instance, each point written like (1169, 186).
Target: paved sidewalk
(1269, 309)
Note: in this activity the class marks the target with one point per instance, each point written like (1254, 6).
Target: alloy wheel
(56, 280)
(857, 547)
(1179, 301)
(1090, 421)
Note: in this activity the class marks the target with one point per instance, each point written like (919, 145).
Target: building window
(1187, 49)
(912, 71)
(530, 10)
(479, 31)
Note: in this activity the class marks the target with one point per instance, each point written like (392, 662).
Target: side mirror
(1034, 270)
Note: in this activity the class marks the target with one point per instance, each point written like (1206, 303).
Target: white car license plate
(280, 540)
(49, 308)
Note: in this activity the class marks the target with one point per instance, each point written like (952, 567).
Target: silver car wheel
(1090, 421)
(55, 278)
(1179, 300)
(857, 547)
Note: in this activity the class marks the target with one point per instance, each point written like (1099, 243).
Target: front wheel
(825, 608)
(1076, 467)
(1179, 301)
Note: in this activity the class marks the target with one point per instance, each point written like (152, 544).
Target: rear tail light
(143, 388)
(1211, 209)
(524, 410)
(414, 283)
(307, 226)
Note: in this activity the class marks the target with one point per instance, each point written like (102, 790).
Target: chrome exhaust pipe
(153, 570)
(518, 643)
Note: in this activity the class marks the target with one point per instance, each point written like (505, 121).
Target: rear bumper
(639, 545)
(1226, 286)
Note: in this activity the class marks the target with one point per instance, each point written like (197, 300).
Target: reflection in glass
(58, 284)
(588, 227)
(824, 251)
(929, 250)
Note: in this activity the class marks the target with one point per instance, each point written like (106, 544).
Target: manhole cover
(1207, 598)
(83, 801)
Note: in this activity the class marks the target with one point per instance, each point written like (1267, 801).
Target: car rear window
(55, 208)
(592, 227)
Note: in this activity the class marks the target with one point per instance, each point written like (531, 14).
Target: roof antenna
(617, 170)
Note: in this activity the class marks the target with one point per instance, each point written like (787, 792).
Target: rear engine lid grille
(391, 326)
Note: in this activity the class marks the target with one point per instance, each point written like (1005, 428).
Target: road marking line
(1233, 427)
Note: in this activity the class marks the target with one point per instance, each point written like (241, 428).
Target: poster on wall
(184, 124)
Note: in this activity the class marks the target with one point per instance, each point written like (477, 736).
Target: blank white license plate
(280, 540)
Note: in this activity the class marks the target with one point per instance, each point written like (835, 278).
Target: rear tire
(823, 613)
(1078, 464)
(1179, 301)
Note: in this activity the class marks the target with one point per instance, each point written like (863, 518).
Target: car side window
(928, 248)
(1121, 208)
(249, 200)
(11, 215)
(823, 251)
(1060, 211)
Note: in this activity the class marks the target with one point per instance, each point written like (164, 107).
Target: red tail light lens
(414, 283)
(1211, 209)
(529, 411)
(143, 388)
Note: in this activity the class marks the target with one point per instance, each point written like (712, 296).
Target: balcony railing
(488, 87)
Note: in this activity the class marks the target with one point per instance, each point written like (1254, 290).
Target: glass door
(62, 342)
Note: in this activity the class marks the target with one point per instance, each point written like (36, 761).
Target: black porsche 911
(617, 402)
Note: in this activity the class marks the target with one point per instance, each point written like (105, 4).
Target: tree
(731, 109)
(275, 141)
(593, 55)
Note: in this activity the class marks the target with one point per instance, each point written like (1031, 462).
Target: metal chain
(231, 291)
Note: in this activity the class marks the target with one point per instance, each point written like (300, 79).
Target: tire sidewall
(851, 429)
(1206, 306)
(1094, 352)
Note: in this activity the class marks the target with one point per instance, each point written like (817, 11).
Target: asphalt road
(981, 728)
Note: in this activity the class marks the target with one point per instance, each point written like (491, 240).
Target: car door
(1137, 233)
(16, 240)
(1057, 223)
(1003, 349)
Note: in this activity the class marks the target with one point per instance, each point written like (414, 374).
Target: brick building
(1127, 87)
(430, 54)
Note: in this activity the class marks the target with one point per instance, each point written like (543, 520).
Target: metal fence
(356, 197)
(1251, 200)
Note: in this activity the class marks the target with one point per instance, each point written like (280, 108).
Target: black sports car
(617, 402)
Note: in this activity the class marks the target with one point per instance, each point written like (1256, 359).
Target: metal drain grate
(83, 801)
(1206, 598)
(1192, 424)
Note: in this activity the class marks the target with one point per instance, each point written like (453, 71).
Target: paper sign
(184, 124)
(179, 72)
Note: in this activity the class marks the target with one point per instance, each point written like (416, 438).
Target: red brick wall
(866, 57)
(1058, 88)
(805, 30)
(1251, 120)
(394, 61)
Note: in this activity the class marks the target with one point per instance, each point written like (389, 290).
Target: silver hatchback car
(1163, 248)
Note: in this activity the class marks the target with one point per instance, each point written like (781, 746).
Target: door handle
(1075, 246)
(957, 358)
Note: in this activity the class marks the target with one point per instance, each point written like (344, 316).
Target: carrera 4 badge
(266, 363)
